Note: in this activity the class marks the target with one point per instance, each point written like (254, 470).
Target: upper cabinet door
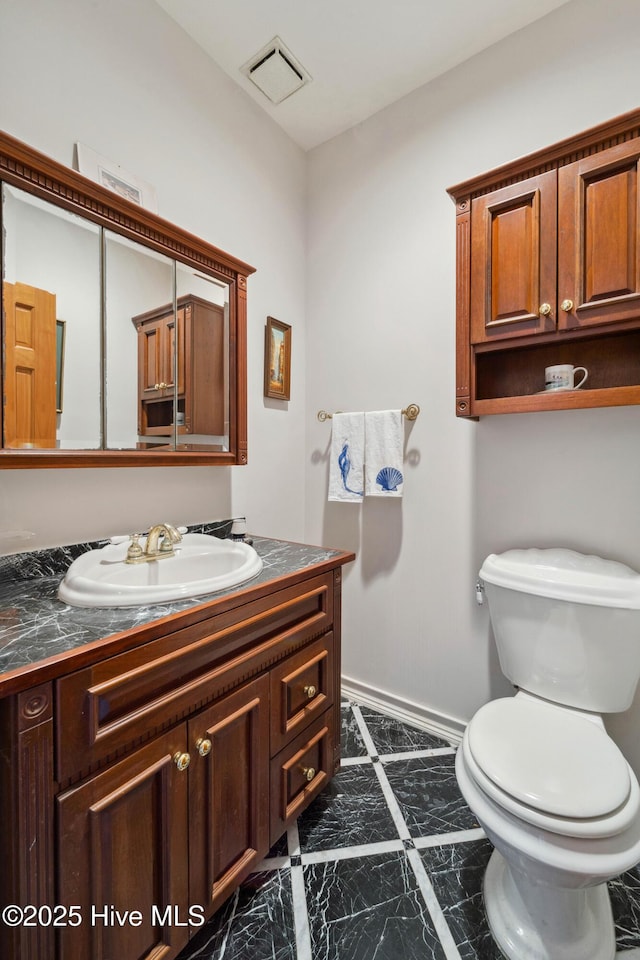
(598, 255)
(513, 260)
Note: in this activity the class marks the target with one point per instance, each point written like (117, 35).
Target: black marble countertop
(36, 626)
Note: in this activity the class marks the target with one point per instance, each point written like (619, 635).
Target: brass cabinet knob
(181, 760)
(545, 309)
(310, 691)
(203, 746)
(308, 773)
(567, 305)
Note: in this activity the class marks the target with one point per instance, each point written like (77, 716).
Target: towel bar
(411, 413)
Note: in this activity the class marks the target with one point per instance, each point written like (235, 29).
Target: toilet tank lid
(565, 575)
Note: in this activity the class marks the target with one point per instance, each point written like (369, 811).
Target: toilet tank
(567, 626)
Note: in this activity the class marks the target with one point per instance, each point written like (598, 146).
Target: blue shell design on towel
(389, 479)
(344, 462)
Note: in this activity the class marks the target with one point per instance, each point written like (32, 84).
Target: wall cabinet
(202, 388)
(548, 271)
(141, 789)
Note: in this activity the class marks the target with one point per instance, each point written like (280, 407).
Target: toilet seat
(551, 767)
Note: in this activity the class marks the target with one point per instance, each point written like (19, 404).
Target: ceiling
(361, 54)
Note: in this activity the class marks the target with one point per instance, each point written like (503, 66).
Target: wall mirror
(123, 337)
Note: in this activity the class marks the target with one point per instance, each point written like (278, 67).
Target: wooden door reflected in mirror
(30, 367)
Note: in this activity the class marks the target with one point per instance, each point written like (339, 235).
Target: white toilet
(552, 791)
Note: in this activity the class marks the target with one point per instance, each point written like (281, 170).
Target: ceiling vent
(276, 72)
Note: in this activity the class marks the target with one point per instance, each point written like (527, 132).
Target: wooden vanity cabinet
(202, 384)
(142, 788)
(548, 271)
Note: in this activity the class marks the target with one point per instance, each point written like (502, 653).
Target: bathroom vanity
(152, 756)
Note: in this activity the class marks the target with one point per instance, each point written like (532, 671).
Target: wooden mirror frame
(33, 172)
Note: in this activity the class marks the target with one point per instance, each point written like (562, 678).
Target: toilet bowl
(551, 790)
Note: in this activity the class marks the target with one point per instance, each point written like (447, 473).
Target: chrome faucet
(159, 544)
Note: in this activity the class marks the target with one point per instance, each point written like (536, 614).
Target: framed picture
(277, 360)
(60, 331)
(113, 177)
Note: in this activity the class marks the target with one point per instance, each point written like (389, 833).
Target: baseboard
(412, 713)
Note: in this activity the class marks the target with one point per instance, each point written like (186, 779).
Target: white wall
(381, 310)
(123, 79)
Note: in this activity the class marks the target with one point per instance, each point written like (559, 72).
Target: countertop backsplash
(54, 561)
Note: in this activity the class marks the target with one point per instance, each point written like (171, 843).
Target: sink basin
(202, 564)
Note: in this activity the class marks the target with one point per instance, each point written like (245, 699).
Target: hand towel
(384, 440)
(346, 468)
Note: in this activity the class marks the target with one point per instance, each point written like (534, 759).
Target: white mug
(562, 377)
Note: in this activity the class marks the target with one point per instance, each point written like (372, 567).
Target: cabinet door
(598, 251)
(184, 316)
(513, 260)
(229, 792)
(206, 383)
(123, 857)
(154, 353)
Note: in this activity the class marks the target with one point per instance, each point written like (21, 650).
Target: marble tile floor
(386, 864)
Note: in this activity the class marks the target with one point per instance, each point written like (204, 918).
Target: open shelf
(510, 379)
(559, 400)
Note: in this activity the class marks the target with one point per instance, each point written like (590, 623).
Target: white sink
(202, 564)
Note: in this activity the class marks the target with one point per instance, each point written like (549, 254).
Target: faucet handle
(135, 550)
(170, 536)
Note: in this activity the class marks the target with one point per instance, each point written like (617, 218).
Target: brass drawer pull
(308, 773)
(203, 746)
(310, 691)
(181, 760)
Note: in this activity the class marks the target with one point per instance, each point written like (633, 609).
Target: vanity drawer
(300, 772)
(103, 709)
(301, 689)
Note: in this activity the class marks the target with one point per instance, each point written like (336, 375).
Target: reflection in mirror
(84, 272)
(51, 274)
(203, 361)
(139, 363)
